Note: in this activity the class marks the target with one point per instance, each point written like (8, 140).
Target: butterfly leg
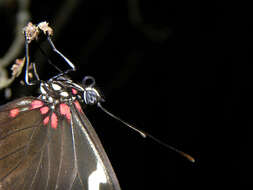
(73, 68)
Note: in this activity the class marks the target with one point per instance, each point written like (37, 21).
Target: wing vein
(11, 153)
(19, 163)
(74, 148)
(49, 164)
(61, 157)
(16, 131)
(37, 170)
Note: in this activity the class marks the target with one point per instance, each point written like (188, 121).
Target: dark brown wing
(37, 156)
(21, 138)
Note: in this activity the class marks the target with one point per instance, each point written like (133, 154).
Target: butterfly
(47, 142)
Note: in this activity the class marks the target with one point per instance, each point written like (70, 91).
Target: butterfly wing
(93, 163)
(51, 151)
(21, 138)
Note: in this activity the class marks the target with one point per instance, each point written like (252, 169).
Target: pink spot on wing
(74, 91)
(54, 120)
(78, 107)
(14, 112)
(46, 120)
(44, 110)
(65, 110)
(36, 104)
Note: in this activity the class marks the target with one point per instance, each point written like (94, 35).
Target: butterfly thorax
(58, 91)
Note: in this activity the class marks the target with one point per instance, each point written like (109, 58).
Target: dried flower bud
(17, 67)
(45, 28)
(31, 31)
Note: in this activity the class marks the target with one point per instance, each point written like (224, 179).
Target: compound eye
(91, 96)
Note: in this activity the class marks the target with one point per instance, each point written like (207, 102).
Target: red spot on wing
(14, 112)
(54, 120)
(65, 110)
(74, 91)
(78, 107)
(44, 110)
(36, 104)
(46, 120)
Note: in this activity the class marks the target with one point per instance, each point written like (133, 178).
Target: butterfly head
(91, 95)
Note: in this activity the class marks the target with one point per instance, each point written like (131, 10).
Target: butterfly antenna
(144, 135)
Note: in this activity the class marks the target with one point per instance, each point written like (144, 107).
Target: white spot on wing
(96, 177)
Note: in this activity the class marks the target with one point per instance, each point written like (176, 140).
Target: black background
(186, 66)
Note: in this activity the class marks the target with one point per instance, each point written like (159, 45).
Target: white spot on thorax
(56, 87)
(50, 99)
(96, 177)
(64, 94)
(43, 91)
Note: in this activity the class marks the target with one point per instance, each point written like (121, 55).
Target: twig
(151, 32)
(16, 47)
